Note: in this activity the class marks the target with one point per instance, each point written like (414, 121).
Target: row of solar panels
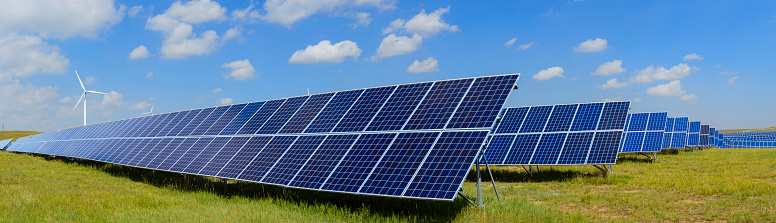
(765, 139)
(409, 141)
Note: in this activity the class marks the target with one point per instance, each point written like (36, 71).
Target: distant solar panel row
(571, 134)
(411, 141)
(677, 136)
(644, 132)
(693, 134)
(4, 143)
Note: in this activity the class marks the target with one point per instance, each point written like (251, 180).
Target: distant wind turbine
(149, 113)
(83, 96)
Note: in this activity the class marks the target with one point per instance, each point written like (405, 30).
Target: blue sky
(709, 60)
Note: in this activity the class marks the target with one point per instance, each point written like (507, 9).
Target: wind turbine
(83, 96)
(149, 113)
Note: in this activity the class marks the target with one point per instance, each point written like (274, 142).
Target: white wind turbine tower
(149, 113)
(83, 96)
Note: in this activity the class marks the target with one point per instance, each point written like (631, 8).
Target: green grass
(15, 134)
(709, 185)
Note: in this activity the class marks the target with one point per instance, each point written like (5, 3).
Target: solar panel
(5, 143)
(677, 136)
(571, 134)
(644, 132)
(412, 141)
(693, 133)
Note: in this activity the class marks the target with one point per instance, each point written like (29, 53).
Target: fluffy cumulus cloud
(671, 89)
(549, 73)
(654, 73)
(139, 106)
(241, 70)
(510, 42)
(424, 24)
(326, 52)
(288, 12)
(134, 10)
(733, 80)
(59, 19)
(591, 46)
(427, 65)
(609, 68)
(225, 101)
(180, 42)
(692, 57)
(393, 45)
(24, 56)
(689, 97)
(612, 83)
(140, 52)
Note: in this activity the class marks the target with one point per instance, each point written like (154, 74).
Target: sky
(710, 60)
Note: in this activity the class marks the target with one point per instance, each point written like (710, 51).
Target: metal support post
(479, 186)
(226, 182)
(654, 154)
(610, 169)
(492, 180)
(464, 197)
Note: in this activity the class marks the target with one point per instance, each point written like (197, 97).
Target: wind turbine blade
(79, 100)
(79, 80)
(96, 92)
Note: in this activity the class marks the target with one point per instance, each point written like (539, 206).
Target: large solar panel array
(571, 134)
(4, 143)
(694, 133)
(644, 132)
(765, 139)
(677, 136)
(411, 141)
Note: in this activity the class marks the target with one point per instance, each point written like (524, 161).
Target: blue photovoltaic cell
(259, 166)
(267, 109)
(633, 142)
(4, 143)
(604, 150)
(657, 121)
(536, 119)
(333, 112)
(439, 104)
(282, 115)
(692, 139)
(678, 140)
(614, 115)
(522, 149)
(548, 150)
(705, 129)
(394, 114)
(637, 122)
(361, 113)
(576, 147)
(413, 140)
(680, 124)
(323, 162)
(446, 166)
(246, 154)
(561, 117)
(669, 124)
(472, 113)
(644, 132)
(587, 117)
(292, 160)
(498, 147)
(395, 169)
(511, 120)
(356, 166)
(241, 118)
(307, 113)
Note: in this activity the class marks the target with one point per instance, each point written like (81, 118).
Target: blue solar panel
(414, 140)
(571, 134)
(644, 132)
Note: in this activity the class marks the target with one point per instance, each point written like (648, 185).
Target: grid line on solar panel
(282, 115)
(365, 108)
(307, 113)
(352, 171)
(317, 169)
(334, 111)
(225, 119)
(434, 111)
(395, 113)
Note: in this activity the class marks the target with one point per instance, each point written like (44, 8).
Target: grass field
(15, 134)
(716, 185)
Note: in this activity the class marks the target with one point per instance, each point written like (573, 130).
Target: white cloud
(325, 52)
(149, 75)
(362, 19)
(232, 34)
(427, 65)
(59, 19)
(111, 101)
(66, 100)
(24, 56)
(175, 25)
(733, 80)
(424, 24)
(550, 13)
(90, 80)
(526, 46)
(28, 107)
(673, 88)
(225, 101)
(689, 97)
(609, 68)
(510, 42)
(393, 45)
(692, 57)
(139, 106)
(241, 70)
(215, 91)
(653, 73)
(549, 73)
(139, 53)
(288, 12)
(612, 99)
(637, 100)
(591, 46)
(132, 12)
(612, 83)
